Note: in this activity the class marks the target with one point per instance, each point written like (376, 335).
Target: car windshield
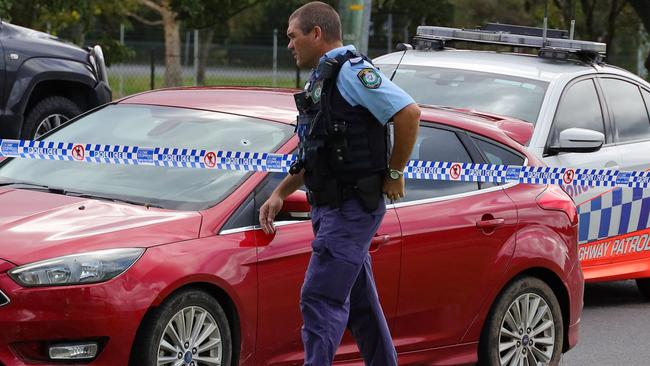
(151, 126)
(492, 93)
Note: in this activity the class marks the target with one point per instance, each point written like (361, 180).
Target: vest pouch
(338, 145)
(369, 190)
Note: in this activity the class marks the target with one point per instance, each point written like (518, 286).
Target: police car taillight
(555, 199)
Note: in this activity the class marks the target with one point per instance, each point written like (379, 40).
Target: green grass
(136, 84)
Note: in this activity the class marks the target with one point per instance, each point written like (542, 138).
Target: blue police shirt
(360, 83)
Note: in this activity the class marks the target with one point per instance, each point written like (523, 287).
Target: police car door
(282, 262)
(582, 105)
(451, 254)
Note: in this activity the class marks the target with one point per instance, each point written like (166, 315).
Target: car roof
(278, 105)
(518, 65)
(267, 103)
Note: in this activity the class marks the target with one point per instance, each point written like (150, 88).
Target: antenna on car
(573, 20)
(545, 27)
(400, 47)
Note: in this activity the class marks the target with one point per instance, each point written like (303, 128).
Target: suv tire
(529, 336)
(48, 114)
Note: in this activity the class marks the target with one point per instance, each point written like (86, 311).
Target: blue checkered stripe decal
(252, 161)
(616, 212)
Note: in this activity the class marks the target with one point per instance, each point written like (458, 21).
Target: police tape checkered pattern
(252, 161)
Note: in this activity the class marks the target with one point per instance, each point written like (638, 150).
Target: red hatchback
(114, 264)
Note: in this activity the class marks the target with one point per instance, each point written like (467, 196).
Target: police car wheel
(190, 328)
(643, 284)
(47, 115)
(524, 326)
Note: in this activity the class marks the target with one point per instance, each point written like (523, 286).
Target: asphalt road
(615, 327)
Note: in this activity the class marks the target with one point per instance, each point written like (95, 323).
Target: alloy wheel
(49, 123)
(527, 333)
(191, 338)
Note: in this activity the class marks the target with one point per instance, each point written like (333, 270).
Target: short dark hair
(317, 13)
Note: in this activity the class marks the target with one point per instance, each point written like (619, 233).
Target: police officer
(343, 163)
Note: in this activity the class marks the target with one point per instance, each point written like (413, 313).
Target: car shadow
(612, 293)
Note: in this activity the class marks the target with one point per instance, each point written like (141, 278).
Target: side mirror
(296, 207)
(578, 140)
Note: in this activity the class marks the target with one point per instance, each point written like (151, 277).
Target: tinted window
(630, 114)
(579, 107)
(646, 97)
(435, 144)
(152, 126)
(494, 93)
(498, 155)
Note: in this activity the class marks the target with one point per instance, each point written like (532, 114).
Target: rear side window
(627, 105)
(435, 144)
(579, 107)
(497, 154)
(646, 97)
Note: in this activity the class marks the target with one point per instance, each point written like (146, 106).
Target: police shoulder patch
(369, 78)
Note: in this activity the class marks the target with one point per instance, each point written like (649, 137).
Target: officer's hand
(268, 211)
(394, 188)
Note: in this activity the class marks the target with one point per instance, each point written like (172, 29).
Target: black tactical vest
(339, 143)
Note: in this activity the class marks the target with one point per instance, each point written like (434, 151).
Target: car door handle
(487, 224)
(377, 241)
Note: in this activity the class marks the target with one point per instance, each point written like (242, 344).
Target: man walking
(343, 163)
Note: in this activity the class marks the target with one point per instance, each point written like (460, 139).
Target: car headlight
(91, 267)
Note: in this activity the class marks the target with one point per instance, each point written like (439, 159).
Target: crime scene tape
(251, 161)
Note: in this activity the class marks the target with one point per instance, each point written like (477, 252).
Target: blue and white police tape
(251, 161)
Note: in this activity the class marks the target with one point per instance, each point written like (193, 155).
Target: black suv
(44, 82)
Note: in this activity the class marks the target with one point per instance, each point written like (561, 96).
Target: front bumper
(108, 313)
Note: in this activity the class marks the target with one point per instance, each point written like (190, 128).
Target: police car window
(496, 154)
(627, 105)
(579, 107)
(646, 97)
(493, 93)
(435, 144)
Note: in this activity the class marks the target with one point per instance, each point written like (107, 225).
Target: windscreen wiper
(112, 199)
(34, 186)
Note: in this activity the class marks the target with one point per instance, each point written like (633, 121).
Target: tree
(207, 15)
(643, 11)
(168, 18)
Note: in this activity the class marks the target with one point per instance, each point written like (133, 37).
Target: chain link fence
(265, 65)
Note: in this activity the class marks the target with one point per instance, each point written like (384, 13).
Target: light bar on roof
(443, 34)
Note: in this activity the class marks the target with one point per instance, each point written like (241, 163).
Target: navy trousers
(339, 289)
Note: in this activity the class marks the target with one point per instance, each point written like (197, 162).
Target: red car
(106, 264)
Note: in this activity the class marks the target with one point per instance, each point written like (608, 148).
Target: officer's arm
(273, 205)
(405, 123)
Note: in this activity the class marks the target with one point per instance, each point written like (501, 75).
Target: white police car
(587, 114)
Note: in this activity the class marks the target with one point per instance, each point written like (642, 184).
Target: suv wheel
(190, 328)
(47, 115)
(524, 326)
(644, 287)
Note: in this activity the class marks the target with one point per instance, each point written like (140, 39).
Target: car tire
(538, 338)
(48, 114)
(156, 338)
(643, 284)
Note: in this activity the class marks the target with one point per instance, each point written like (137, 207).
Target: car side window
(497, 154)
(435, 144)
(646, 97)
(579, 107)
(627, 105)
